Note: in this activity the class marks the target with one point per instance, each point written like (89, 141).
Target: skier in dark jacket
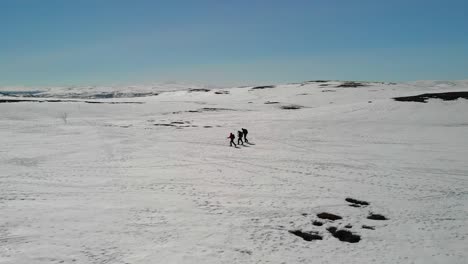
(239, 138)
(232, 137)
(245, 132)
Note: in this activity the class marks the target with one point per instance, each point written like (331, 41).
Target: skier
(239, 138)
(245, 132)
(232, 137)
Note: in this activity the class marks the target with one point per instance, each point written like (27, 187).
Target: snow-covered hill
(98, 92)
(145, 175)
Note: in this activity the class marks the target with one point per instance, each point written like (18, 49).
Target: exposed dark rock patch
(61, 101)
(422, 98)
(329, 216)
(110, 95)
(354, 205)
(368, 227)
(33, 101)
(355, 201)
(315, 81)
(351, 85)
(348, 226)
(377, 217)
(244, 251)
(324, 84)
(169, 125)
(263, 87)
(344, 235)
(291, 107)
(222, 92)
(271, 102)
(304, 214)
(317, 223)
(176, 124)
(213, 109)
(199, 90)
(307, 236)
(207, 126)
(205, 109)
(95, 102)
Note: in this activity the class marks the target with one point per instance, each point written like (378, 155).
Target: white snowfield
(156, 182)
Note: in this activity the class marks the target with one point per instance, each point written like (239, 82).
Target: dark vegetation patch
(368, 227)
(317, 223)
(262, 87)
(307, 236)
(354, 205)
(291, 107)
(344, 235)
(422, 98)
(376, 217)
(355, 201)
(61, 101)
(328, 91)
(329, 216)
(178, 122)
(351, 85)
(271, 102)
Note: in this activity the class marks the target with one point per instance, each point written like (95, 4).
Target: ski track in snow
(107, 185)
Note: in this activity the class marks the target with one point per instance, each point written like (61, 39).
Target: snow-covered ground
(156, 182)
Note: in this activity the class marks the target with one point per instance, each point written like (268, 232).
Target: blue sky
(44, 42)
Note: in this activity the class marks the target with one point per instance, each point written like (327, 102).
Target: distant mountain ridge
(130, 91)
